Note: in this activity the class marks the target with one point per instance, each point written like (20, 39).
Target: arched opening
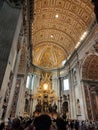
(90, 81)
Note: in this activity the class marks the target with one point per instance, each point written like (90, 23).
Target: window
(66, 84)
(32, 81)
(28, 81)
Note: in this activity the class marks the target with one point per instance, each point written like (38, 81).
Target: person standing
(42, 122)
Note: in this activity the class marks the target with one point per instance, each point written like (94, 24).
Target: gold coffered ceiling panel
(57, 27)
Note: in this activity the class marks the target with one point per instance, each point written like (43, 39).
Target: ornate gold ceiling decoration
(49, 55)
(90, 68)
(57, 27)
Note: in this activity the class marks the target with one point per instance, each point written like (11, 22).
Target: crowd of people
(45, 122)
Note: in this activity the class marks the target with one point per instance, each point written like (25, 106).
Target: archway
(90, 81)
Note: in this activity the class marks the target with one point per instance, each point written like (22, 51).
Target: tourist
(2, 126)
(61, 124)
(42, 122)
(16, 124)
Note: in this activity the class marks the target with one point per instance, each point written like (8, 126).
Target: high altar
(45, 96)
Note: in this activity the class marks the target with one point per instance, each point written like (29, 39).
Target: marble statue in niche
(78, 107)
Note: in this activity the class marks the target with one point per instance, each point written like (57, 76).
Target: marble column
(83, 102)
(13, 84)
(56, 88)
(36, 84)
(21, 99)
(81, 95)
(72, 96)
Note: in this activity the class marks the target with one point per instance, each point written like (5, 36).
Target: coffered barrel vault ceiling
(58, 26)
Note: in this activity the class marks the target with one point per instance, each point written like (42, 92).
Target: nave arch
(90, 84)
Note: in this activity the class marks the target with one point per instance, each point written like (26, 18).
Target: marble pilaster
(21, 99)
(13, 85)
(72, 96)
